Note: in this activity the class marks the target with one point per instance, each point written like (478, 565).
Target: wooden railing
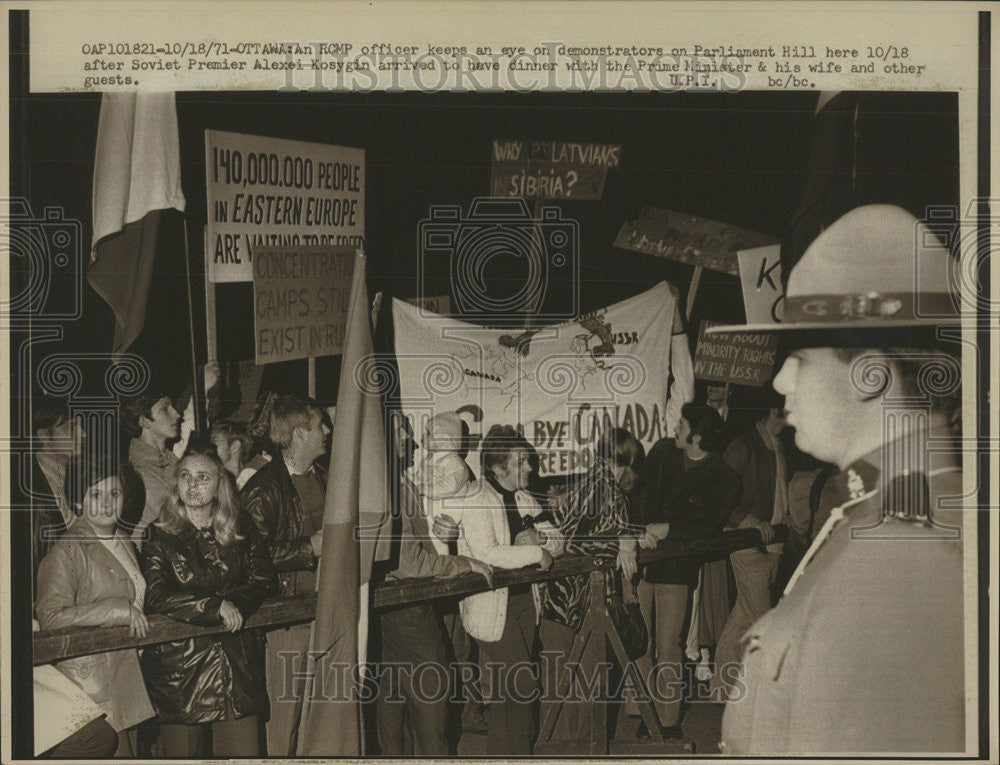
(79, 641)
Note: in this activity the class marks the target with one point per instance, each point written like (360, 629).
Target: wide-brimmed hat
(877, 267)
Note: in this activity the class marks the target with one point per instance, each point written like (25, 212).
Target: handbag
(626, 616)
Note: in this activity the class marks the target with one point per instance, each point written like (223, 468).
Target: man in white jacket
(497, 520)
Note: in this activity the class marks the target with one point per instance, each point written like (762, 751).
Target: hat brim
(833, 326)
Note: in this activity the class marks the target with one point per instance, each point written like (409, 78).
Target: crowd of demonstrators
(92, 511)
(210, 554)
(829, 669)
(689, 492)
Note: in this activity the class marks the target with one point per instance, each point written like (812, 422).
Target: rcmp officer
(865, 651)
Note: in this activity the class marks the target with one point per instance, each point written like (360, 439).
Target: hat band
(891, 306)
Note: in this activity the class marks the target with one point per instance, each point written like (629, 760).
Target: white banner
(269, 191)
(562, 384)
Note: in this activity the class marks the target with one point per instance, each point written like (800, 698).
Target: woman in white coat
(497, 526)
(91, 578)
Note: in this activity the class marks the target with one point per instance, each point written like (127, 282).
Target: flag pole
(198, 415)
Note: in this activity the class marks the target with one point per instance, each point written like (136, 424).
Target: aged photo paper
(215, 196)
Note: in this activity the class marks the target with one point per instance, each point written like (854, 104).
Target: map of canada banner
(561, 384)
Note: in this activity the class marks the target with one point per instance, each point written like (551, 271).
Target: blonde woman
(205, 564)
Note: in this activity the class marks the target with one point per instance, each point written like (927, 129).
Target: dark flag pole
(198, 413)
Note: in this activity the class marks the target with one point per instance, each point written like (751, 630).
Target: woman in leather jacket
(91, 578)
(205, 564)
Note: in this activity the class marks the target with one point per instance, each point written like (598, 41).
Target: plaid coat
(591, 516)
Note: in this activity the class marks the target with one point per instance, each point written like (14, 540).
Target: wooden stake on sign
(213, 349)
(198, 414)
(312, 377)
(693, 290)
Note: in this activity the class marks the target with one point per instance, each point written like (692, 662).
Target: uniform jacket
(696, 502)
(485, 535)
(865, 652)
(82, 584)
(188, 575)
(270, 499)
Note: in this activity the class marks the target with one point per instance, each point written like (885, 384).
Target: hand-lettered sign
(763, 293)
(740, 358)
(269, 191)
(551, 169)
(300, 297)
(698, 241)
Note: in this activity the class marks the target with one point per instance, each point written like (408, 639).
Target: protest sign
(763, 292)
(551, 169)
(744, 359)
(698, 241)
(564, 384)
(270, 191)
(300, 297)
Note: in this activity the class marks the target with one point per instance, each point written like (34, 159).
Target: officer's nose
(784, 381)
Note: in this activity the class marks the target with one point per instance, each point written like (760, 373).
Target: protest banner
(698, 241)
(440, 304)
(551, 169)
(743, 359)
(763, 292)
(300, 297)
(271, 191)
(563, 383)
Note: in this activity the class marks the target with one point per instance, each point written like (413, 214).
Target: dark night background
(761, 161)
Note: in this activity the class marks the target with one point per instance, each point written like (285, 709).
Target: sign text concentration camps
(551, 169)
(270, 191)
(301, 297)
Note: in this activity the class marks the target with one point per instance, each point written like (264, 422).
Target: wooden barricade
(588, 655)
